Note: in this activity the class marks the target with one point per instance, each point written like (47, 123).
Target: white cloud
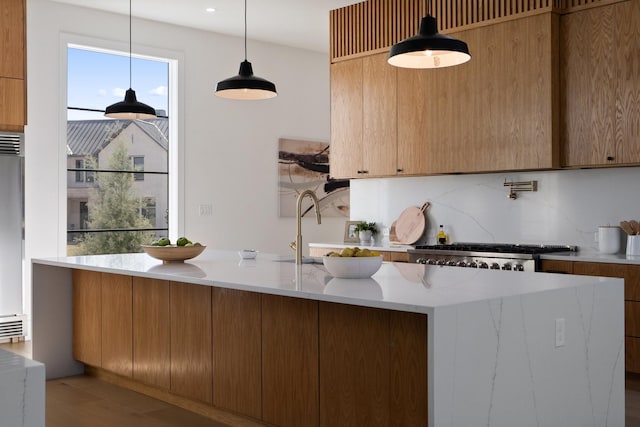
(159, 91)
(102, 92)
(119, 92)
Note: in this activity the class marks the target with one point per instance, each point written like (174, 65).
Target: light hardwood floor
(85, 401)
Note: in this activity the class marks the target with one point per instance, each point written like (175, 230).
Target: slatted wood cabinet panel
(631, 275)
(12, 65)
(87, 317)
(290, 361)
(151, 332)
(372, 366)
(237, 370)
(600, 76)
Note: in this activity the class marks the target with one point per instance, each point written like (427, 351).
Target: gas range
(492, 256)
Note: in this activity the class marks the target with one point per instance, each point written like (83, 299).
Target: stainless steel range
(492, 256)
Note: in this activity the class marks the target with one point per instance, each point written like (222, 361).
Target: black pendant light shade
(130, 108)
(245, 85)
(429, 49)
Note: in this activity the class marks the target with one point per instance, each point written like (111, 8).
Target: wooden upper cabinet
(13, 110)
(600, 76)
(12, 39)
(363, 118)
(346, 119)
(497, 112)
(379, 147)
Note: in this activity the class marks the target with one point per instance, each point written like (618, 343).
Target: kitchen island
(291, 345)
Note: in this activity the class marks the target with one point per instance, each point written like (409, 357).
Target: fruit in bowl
(352, 263)
(184, 249)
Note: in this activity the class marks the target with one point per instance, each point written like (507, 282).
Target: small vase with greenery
(366, 230)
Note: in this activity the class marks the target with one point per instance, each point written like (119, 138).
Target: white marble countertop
(397, 286)
(22, 387)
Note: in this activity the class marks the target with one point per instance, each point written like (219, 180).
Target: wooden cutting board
(410, 224)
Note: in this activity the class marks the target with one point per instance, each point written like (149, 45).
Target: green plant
(366, 226)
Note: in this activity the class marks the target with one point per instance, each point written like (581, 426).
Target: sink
(305, 260)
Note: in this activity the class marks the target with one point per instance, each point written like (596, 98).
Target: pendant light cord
(245, 30)
(130, 44)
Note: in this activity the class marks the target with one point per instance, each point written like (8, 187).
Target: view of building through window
(117, 170)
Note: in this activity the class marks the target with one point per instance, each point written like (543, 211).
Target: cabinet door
(556, 266)
(151, 332)
(12, 39)
(354, 365)
(237, 373)
(289, 361)
(600, 121)
(627, 59)
(12, 104)
(418, 143)
(588, 91)
(87, 317)
(191, 353)
(117, 324)
(346, 119)
(379, 147)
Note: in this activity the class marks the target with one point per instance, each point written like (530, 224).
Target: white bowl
(248, 254)
(352, 267)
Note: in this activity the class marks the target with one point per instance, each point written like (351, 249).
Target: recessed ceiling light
(210, 10)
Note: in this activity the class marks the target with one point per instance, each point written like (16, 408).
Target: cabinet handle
(610, 158)
(399, 170)
(365, 171)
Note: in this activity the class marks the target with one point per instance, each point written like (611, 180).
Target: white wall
(567, 208)
(229, 149)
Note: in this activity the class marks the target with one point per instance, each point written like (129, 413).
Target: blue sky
(97, 79)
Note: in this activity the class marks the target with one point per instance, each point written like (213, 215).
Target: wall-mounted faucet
(316, 206)
(516, 187)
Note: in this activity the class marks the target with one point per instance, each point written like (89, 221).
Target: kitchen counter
(374, 247)
(22, 390)
(491, 335)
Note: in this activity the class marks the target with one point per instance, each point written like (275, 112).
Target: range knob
(518, 267)
(472, 264)
(431, 261)
(506, 266)
(495, 266)
(451, 263)
(483, 265)
(440, 262)
(461, 264)
(421, 261)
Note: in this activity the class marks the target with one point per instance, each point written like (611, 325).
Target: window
(118, 170)
(138, 165)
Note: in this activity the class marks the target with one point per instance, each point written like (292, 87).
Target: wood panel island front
(264, 342)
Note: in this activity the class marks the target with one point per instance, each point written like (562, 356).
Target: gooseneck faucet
(316, 206)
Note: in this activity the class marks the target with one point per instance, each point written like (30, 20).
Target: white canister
(608, 239)
(633, 245)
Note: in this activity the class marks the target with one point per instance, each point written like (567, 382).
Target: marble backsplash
(567, 208)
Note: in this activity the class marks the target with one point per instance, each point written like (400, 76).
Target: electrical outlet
(560, 332)
(206, 210)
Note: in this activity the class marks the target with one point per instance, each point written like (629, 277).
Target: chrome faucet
(316, 206)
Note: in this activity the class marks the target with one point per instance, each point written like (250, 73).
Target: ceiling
(296, 23)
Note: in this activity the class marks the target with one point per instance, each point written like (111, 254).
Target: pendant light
(245, 85)
(130, 108)
(429, 49)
